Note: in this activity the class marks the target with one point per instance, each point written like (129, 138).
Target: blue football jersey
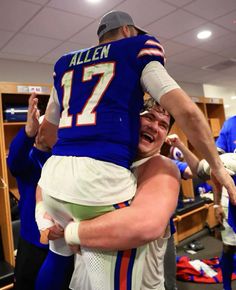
(100, 96)
(227, 142)
(227, 137)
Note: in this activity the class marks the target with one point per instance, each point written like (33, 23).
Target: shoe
(195, 246)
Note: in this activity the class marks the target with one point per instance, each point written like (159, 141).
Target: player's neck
(118, 37)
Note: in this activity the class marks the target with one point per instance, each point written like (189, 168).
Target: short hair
(151, 103)
(109, 34)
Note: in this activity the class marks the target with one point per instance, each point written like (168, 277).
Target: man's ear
(125, 31)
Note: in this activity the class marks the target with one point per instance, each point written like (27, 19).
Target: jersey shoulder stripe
(150, 51)
(155, 43)
(151, 47)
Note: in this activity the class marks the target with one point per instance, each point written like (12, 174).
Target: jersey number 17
(87, 116)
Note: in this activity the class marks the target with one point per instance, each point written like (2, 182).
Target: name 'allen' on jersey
(84, 56)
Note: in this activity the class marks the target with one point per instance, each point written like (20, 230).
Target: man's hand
(45, 222)
(224, 179)
(217, 191)
(219, 213)
(176, 147)
(32, 124)
(173, 140)
(75, 249)
(55, 232)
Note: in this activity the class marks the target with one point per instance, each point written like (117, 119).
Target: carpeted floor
(212, 248)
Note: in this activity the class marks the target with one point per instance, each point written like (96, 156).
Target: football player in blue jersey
(25, 163)
(226, 143)
(94, 107)
(25, 160)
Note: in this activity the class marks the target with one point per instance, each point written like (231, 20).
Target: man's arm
(48, 228)
(190, 158)
(197, 168)
(196, 128)
(157, 82)
(144, 220)
(217, 193)
(48, 130)
(22, 144)
(193, 123)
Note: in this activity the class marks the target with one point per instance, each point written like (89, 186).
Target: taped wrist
(203, 170)
(72, 233)
(42, 222)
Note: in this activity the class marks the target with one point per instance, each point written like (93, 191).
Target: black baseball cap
(115, 19)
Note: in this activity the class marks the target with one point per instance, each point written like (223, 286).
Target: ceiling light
(204, 34)
(233, 98)
(226, 106)
(93, 1)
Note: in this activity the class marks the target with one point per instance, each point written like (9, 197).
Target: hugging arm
(147, 216)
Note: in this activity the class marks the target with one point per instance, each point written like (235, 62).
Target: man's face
(153, 131)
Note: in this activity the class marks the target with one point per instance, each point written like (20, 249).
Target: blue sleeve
(181, 166)
(141, 50)
(39, 157)
(227, 137)
(172, 226)
(221, 141)
(150, 49)
(18, 157)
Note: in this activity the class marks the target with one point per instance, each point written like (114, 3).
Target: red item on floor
(199, 271)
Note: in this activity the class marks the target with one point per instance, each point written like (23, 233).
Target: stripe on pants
(124, 269)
